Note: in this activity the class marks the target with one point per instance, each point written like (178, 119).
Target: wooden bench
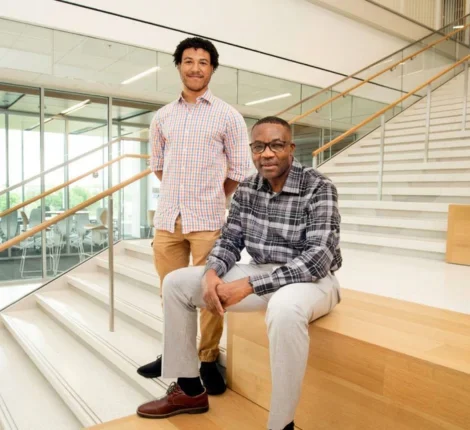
(375, 363)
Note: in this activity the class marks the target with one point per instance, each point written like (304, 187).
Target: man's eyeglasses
(275, 146)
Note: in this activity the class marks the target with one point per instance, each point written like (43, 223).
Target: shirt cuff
(235, 176)
(262, 283)
(156, 165)
(217, 265)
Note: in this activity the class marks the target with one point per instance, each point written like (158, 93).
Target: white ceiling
(56, 59)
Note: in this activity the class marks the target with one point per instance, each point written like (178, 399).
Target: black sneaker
(151, 370)
(289, 426)
(212, 379)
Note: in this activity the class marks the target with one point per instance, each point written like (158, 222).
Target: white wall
(295, 29)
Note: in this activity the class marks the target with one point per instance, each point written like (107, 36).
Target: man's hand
(210, 281)
(232, 293)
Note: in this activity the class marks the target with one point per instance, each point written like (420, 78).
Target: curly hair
(196, 43)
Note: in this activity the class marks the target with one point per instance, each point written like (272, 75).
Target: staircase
(411, 217)
(59, 361)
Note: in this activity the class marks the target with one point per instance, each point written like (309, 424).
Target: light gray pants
(289, 311)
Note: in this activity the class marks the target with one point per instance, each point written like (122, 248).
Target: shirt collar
(292, 184)
(207, 96)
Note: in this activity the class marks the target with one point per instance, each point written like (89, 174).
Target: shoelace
(172, 388)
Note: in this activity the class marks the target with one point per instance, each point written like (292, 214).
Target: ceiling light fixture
(140, 75)
(268, 99)
(38, 124)
(75, 107)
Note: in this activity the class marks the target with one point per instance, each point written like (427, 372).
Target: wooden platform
(458, 235)
(229, 412)
(375, 363)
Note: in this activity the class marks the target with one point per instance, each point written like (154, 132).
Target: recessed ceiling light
(75, 107)
(140, 75)
(268, 99)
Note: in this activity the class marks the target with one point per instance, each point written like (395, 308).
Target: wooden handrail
(65, 163)
(65, 184)
(86, 203)
(386, 108)
(363, 82)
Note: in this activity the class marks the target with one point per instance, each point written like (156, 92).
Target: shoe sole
(171, 414)
(148, 375)
(215, 393)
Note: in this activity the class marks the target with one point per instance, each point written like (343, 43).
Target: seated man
(287, 217)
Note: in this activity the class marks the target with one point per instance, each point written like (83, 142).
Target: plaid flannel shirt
(297, 228)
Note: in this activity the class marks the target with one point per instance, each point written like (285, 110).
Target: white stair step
(27, 400)
(421, 115)
(457, 107)
(132, 267)
(331, 168)
(138, 303)
(424, 177)
(406, 191)
(442, 136)
(141, 246)
(93, 391)
(419, 130)
(387, 241)
(402, 223)
(398, 206)
(373, 146)
(395, 123)
(127, 347)
(433, 155)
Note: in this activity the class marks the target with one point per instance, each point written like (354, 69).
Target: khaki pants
(171, 252)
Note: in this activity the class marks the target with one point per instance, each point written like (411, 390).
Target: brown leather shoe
(175, 402)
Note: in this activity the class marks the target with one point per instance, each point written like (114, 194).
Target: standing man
(200, 154)
(287, 218)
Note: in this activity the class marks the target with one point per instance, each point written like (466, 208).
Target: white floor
(11, 292)
(418, 280)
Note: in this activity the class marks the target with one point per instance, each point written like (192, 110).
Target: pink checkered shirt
(197, 146)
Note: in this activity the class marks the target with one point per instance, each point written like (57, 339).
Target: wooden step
(374, 363)
(229, 412)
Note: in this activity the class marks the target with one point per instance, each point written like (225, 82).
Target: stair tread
(21, 383)
(77, 369)
(391, 241)
(131, 262)
(424, 177)
(142, 245)
(128, 350)
(142, 298)
(330, 167)
(399, 206)
(409, 223)
(406, 191)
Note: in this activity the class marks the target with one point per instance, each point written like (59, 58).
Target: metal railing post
(111, 262)
(428, 123)
(381, 157)
(315, 161)
(110, 219)
(465, 95)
